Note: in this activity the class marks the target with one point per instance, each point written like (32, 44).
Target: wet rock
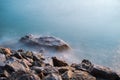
(18, 55)
(14, 66)
(20, 50)
(53, 77)
(104, 73)
(2, 59)
(63, 70)
(49, 70)
(48, 42)
(3, 78)
(3, 72)
(85, 65)
(77, 75)
(58, 63)
(21, 75)
(67, 75)
(6, 51)
(38, 57)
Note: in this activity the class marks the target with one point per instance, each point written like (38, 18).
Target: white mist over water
(91, 27)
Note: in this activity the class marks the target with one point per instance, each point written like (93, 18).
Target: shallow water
(91, 27)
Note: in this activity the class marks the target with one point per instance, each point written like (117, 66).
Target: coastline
(28, 65)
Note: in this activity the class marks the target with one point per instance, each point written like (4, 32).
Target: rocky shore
(29, 65)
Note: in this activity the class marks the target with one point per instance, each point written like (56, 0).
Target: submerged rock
(48, 42)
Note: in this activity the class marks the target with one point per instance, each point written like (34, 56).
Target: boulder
(21, 75)
(5, 51)
(77, 75)
(46, 42)
(85, 65)
(53, 77)
(13, 65)
(104, 73)
(58, 63)
(2, 59)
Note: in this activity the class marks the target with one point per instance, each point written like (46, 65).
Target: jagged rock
(21, 75)
(18, 55)
(53, 77)
(3, 78)
(2, 59)
(49, 70)
(6, 51)
(85, 65)
(38, 57)
(58, 63)
(77, 75)
(48, 42)
(104, 73)
(63, 69)
(13, 65)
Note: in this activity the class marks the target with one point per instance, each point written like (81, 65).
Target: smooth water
(91, 27)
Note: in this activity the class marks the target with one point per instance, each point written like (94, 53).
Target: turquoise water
(91, 27)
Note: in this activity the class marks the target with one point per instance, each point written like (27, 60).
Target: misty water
(91, 27)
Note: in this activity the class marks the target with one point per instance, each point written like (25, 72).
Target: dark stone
(48, 42)
(53, 77)
(62, 70)
(58, 63)
(104, 73)
(21, 75)
(18, 55)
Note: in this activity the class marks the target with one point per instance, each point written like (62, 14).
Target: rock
(85, 65)
(49, 70)
(16, 65)
(67, 75)
(58, 63)
(3, 78)
(38, 57)
(6, 51)
(104, 73)
(77, 75)
(2, 59)
(48, 42)
(21, 75)
(53, 77)
(18, 55)
(45, 71)
(63, 70)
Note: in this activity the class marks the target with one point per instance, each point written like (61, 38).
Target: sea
(90, 27)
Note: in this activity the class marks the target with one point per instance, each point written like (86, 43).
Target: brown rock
(6, 51)
(46, 42)
(53, 77)
(16, 65)
(85, 65)
(104, 73)
(58, 63)
(21, 75)
(77, 75)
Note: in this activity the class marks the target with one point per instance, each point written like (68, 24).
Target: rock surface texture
(27, 65)
(45, 42)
